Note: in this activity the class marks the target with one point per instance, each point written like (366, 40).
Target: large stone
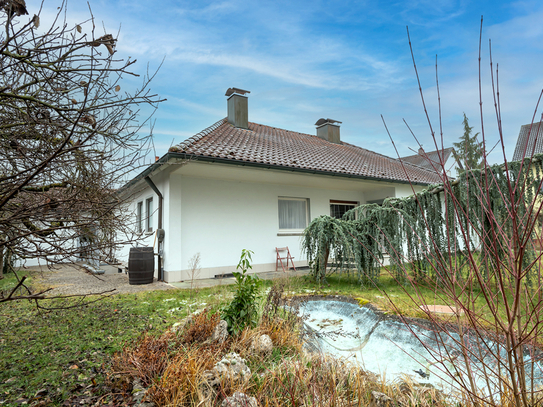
(380, 400)
(239, 399)
(262, 345)
(232, 367)
(220, 333)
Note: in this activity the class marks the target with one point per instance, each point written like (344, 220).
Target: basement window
(293, 214)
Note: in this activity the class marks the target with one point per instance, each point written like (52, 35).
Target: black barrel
(141, 265)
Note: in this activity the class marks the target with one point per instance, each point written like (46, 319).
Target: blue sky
(349, 61)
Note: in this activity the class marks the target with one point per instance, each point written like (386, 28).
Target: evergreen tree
(468, 152)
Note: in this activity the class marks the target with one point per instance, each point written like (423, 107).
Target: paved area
(210, 282)
(73, 279)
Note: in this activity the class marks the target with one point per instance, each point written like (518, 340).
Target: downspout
(159, 231)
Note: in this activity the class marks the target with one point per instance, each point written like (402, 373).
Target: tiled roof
(425, 159)
(527, 139)
(272, 146)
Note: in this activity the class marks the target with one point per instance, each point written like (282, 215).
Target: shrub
(242, 311)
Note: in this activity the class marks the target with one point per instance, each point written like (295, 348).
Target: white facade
(217, 210)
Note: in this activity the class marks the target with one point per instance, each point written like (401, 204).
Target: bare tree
(69, 136)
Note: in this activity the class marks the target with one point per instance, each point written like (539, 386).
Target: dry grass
(182, 383)
(200, 326)
(173, 367)
(146, 359)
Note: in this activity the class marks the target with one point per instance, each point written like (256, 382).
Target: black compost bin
(141, 265)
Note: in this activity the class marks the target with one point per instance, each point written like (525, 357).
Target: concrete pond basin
(386, 346)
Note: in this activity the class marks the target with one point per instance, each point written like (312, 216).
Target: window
(293, 213)
(338, 208)
(149, 209)
(139, 217)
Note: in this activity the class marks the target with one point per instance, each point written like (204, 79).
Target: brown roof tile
(272, 146)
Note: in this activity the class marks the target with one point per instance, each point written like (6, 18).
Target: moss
(362, 301)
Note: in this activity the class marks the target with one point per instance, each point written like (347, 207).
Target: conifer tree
(468, 152)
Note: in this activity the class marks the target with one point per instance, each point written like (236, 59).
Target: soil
(72, 279)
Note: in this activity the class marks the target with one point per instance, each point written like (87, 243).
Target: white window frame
(354, 204)
(283, 231)
(139, 217)
(149, 215)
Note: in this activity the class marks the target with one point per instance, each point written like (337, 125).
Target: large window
(338, 208)
(139, 217)
(293, 213)
(149, 210)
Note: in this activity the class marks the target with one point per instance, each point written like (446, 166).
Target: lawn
(62, 356)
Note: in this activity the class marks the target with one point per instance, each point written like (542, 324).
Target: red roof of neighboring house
(272, 146)
(529, 142)
(430, 159)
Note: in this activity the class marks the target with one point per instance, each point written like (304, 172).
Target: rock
(231, 367)
(380, 400)
(263, 345)
(138, 394)
(239, 399)
(220, 333)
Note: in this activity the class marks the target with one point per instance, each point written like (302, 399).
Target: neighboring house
(529, 142)
(242, 185)
(432, 160)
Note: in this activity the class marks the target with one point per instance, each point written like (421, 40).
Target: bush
(242, 311)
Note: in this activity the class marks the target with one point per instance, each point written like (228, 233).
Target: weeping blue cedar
(426, 234)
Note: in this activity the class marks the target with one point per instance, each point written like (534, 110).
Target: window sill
(291, 233)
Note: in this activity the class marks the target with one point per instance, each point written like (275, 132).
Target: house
(239, 184)
(432, 160)
(529, 142)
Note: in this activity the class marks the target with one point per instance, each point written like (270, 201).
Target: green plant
(242, 311)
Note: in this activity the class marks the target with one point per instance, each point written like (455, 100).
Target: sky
(345, 60)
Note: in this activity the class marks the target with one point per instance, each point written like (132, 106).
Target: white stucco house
(242, 185)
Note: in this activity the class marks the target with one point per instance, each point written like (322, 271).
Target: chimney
(238, 111)
(421, 150)
(328, 130)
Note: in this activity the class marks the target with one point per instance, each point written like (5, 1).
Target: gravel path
(72, 279)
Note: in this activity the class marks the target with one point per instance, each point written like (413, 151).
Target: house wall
(141, 193)
(216, 211)
(219, 218)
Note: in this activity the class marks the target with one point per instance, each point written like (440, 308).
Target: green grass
(41, 349)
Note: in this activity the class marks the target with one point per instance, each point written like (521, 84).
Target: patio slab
(211, 282)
